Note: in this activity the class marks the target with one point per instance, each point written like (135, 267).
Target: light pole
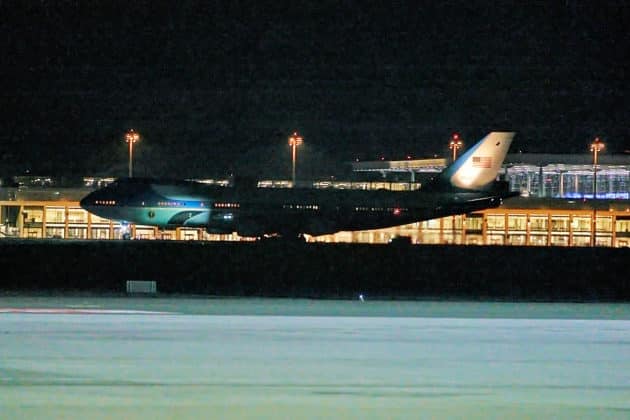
(455, 144)
(294, 141)
(596, 147)
(131, 137)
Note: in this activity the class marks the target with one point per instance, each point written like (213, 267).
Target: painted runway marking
(80, 311)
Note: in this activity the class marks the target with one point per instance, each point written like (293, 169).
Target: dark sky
(218, 86)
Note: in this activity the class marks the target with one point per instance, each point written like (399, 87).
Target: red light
(455, 136)
(396, 211)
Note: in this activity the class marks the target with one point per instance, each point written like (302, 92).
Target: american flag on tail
(482, 162)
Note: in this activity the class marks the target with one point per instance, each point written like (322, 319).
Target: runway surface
(210, 358)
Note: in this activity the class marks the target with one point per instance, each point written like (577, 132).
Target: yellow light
(295, 140)
(455, 144)
(597, 145)
(132, 136)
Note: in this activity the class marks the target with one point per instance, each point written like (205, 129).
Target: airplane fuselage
(259, 211)
(468, 184)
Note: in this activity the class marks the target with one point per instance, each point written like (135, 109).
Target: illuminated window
(495, 239)
(559, 224)
(538, 224)
(516, 239)
(496, 222)
(604, 224)
(225, 205)
(623, 226)
(474, 222)
(77, 216)
(557, 240)
(581, 224)
(430, 224)
(538, 240)
(55, 215)
(582, 240)
(517, 222)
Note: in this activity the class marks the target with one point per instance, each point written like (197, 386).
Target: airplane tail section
(478, 167)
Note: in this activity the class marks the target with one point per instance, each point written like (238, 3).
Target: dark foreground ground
(319, 270)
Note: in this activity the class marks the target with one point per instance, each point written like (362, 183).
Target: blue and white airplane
(467, 185)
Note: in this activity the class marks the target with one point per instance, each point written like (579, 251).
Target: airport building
(533, 175)
(556, 207)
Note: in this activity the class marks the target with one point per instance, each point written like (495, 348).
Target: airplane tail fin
(478, 167)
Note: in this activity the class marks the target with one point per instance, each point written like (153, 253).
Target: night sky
(218, 87)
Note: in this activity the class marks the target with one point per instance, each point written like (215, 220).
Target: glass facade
(535, 175)
(564, 181)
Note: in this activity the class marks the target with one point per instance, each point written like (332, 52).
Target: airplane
(468, 184)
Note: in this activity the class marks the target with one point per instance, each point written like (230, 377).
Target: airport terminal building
(556, 207)
(533, 175)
